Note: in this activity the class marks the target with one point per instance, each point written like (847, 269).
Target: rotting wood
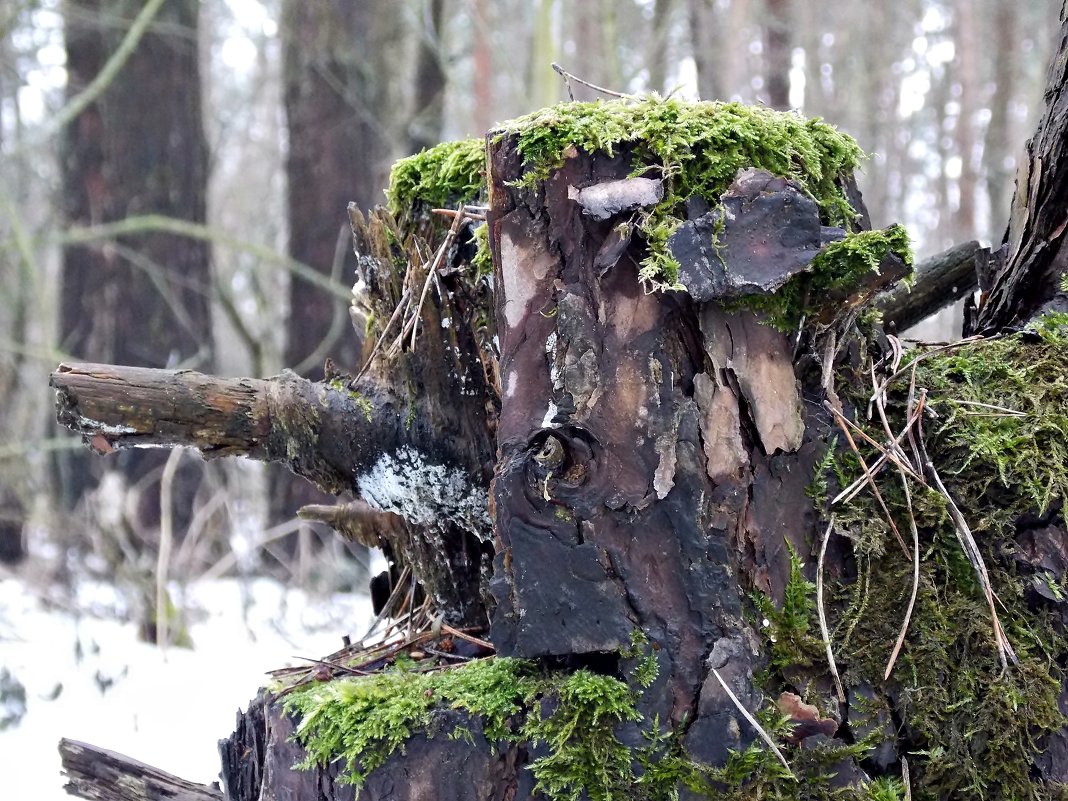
(102, 775)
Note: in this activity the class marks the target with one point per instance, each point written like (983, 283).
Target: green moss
(444, 175)
(972, 727)
(482, 261)
(572, 716)
(1025, 452)
(363, 404)
(697, 148)
(837, 268)
(791, 642)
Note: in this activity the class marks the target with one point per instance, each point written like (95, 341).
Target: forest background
(173, 183)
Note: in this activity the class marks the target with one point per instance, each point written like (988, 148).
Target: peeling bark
(635, 430)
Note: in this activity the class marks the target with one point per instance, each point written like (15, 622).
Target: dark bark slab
(764, 228)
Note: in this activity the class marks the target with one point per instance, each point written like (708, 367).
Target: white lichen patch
(424, 493)
(86, 424)
(550, 414)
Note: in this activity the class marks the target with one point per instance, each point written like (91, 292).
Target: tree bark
(1036, 258)
(940, 281)
(433, 474)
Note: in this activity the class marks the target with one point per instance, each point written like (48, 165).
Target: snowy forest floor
(87, 675)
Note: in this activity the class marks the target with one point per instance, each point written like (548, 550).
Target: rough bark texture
(642, 438)
(1036, 257)
(102, 775)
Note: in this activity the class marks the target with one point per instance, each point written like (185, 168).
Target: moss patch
(971, 729)
(837, 269)
(443, 175)
(572, 715)
(697, 148)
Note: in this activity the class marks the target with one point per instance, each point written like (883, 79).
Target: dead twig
(468, 213)
(754, 723)
(964, 535)
(568, 77)
(821, 612)
(465, 636)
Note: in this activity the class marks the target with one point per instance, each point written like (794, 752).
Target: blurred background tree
(174, 175)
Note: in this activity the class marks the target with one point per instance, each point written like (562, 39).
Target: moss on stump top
(697, 148)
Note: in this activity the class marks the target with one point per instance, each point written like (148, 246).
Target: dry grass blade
(971, 549)
(915, 582)
(992, 407)
(821, 612)
(890, 454)
(840, 418)
(754, 723)
(397, 313)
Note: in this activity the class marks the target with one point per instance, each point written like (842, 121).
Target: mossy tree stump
(671, 361)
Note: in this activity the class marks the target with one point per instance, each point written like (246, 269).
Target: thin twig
(915, 582)
(166, 538)
(971, 549)
(823, 614)
(840, 418)
(465, 636)
(755, 724)
(382, 337)
(567, 76)
(471, 215)
(334, 665)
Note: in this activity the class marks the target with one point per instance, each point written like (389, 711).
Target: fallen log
(98, 774)
(939, 281)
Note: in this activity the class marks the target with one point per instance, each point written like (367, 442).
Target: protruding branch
(397, 455)
(940, 281)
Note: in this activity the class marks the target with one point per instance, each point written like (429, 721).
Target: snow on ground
(88, 677)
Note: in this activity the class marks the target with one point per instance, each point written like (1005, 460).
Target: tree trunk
(777, 52)
(341, 133)
(1035, 256)
(142, 299)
